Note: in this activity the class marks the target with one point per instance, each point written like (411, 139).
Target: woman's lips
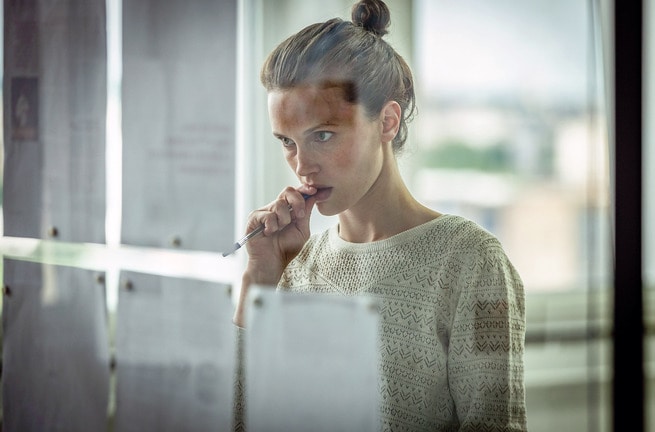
(322, 193)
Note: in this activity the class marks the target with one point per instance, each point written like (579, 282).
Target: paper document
(175, 355)
(311, 363)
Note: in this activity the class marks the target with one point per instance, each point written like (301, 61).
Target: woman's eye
(286, 142)
(323, 136)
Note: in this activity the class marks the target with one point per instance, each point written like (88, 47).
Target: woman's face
(329, 143)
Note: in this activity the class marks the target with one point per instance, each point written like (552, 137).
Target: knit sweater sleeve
(487, 341)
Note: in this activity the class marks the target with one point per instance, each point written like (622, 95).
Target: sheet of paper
(311, 363)
(179, 116)
(55, 67)
(55, 349)
(175, 354)
(23, 153)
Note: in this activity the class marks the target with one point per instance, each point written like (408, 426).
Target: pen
(252, 234)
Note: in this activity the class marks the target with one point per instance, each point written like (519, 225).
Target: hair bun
(372, 15)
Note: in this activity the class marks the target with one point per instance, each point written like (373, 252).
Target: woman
(452, 305)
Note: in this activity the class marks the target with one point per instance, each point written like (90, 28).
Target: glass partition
(512, 132)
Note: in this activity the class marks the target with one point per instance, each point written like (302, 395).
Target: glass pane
(512, 133)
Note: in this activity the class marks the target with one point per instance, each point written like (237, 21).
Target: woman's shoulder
(458, 232)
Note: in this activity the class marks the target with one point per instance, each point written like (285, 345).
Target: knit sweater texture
(452, 321)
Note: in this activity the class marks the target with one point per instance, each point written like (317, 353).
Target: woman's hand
(286, 229)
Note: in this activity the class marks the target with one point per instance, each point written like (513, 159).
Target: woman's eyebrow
(313, 129)
(308, 131)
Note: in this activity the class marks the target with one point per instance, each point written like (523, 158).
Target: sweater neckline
(337, 243)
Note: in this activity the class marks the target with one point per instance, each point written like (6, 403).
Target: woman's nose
(305, 163)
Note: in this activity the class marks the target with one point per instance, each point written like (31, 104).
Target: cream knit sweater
(452, 321)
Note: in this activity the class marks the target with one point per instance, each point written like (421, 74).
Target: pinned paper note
(175, 354)
(311, 362)
(178, 123)
(55, 366)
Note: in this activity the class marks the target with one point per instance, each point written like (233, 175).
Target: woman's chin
(325, 209)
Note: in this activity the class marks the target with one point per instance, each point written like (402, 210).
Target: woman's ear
(391, 114)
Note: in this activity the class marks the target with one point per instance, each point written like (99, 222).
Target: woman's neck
(387, 209)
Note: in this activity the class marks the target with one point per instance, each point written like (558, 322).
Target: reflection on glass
(512, 133)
